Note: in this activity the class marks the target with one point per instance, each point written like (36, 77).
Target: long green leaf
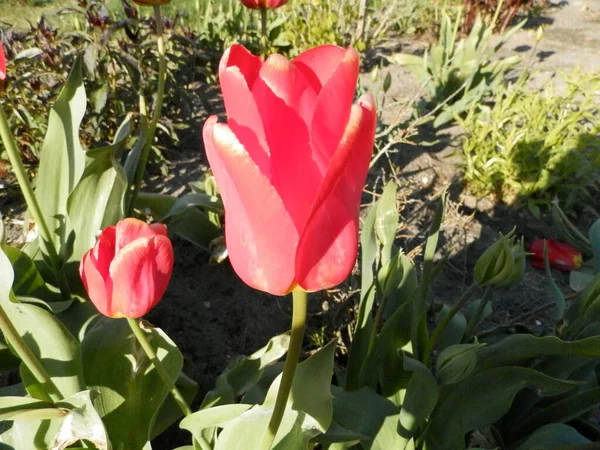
(98, 199)
(62, 159)
(482, 399)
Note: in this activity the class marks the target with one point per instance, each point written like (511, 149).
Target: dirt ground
(213, 316)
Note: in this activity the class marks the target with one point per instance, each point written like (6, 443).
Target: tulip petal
(329, 123)
(238, 71)
(99, 289)
(260, 234)
(329, 243)
(140, 272)
(159, 228)
(130, 229)
(318, 64)
(292, 164)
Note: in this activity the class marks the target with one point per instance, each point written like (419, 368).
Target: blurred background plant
(532, 146)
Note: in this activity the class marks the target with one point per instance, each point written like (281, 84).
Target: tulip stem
(437, 332)
(158, 365)
(162, 71)
(34, 365)
(263, 31)
(477, 315)
(32, 203)
(289, 368)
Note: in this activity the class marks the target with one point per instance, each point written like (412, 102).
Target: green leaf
(133, 157)
(402, 284)
(561, 411)
(103, 185)
(455, 330)
(131, 390)
(243, 372)
(551, 436)
(28, 281)
(19, 408)
(82, 423)
(308, 413)
(482, 399)
(365, 412)
(216, 416)
(519, 348)
(421, 397)
(594, 236)
(62, 159)
(170, 411)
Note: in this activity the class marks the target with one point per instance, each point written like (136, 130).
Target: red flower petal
(2, 63)
(328, 245)
(276, 92)
(238, 71)
(329, 123)
(129, 230)
(140, 273)
(318, 64)
(98, 288)
(261, 237)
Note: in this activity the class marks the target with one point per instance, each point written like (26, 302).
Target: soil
(213, 316)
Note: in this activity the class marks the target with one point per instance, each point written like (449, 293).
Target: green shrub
(530, 147)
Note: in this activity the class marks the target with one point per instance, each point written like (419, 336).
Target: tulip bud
(2, 63)
(503, 264)
(457, 362)
(128, 270)
(561, 256)
(151, 2)
(263, 4)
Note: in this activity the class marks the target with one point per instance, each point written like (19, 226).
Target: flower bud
(2, 63)
(503, 264)
(263, 4)
(128, 270)
(457, 362)
(151, 2)
(561, 256)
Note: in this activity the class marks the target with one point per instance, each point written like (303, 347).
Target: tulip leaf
(62, 159)
(308, 412)
(464, 408)
(133, 157)
(365, 412)
(81, 423)
(553, 436)
(28, 281)
(454, 331)
(560, 411)
(183, 215)
(48, 339)
(131, 390)
(594, 236)
(103, 184)
(421, 397)
(363, 331)
(28, 434)
(519, 348)
(170, 411)
(216, 416)
(403, 284)
(20, 408)
(243, 372)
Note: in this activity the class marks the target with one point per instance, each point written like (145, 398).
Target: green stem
(263, 31)
(477, 316)
(25, 185)
(149, 350)
(29, 359)
(446, 320)
(289, 368)
(162, 71)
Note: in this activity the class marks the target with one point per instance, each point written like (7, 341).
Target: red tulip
(263, 4)
(560, 256)
(2, 63)
(291, 163)
(128, 270)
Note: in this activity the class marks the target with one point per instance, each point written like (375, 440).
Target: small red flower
(128, 270)
(561, 256)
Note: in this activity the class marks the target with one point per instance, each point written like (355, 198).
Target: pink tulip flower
(291, 163)
(127, 272)
(2, 63)
(263, 4)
